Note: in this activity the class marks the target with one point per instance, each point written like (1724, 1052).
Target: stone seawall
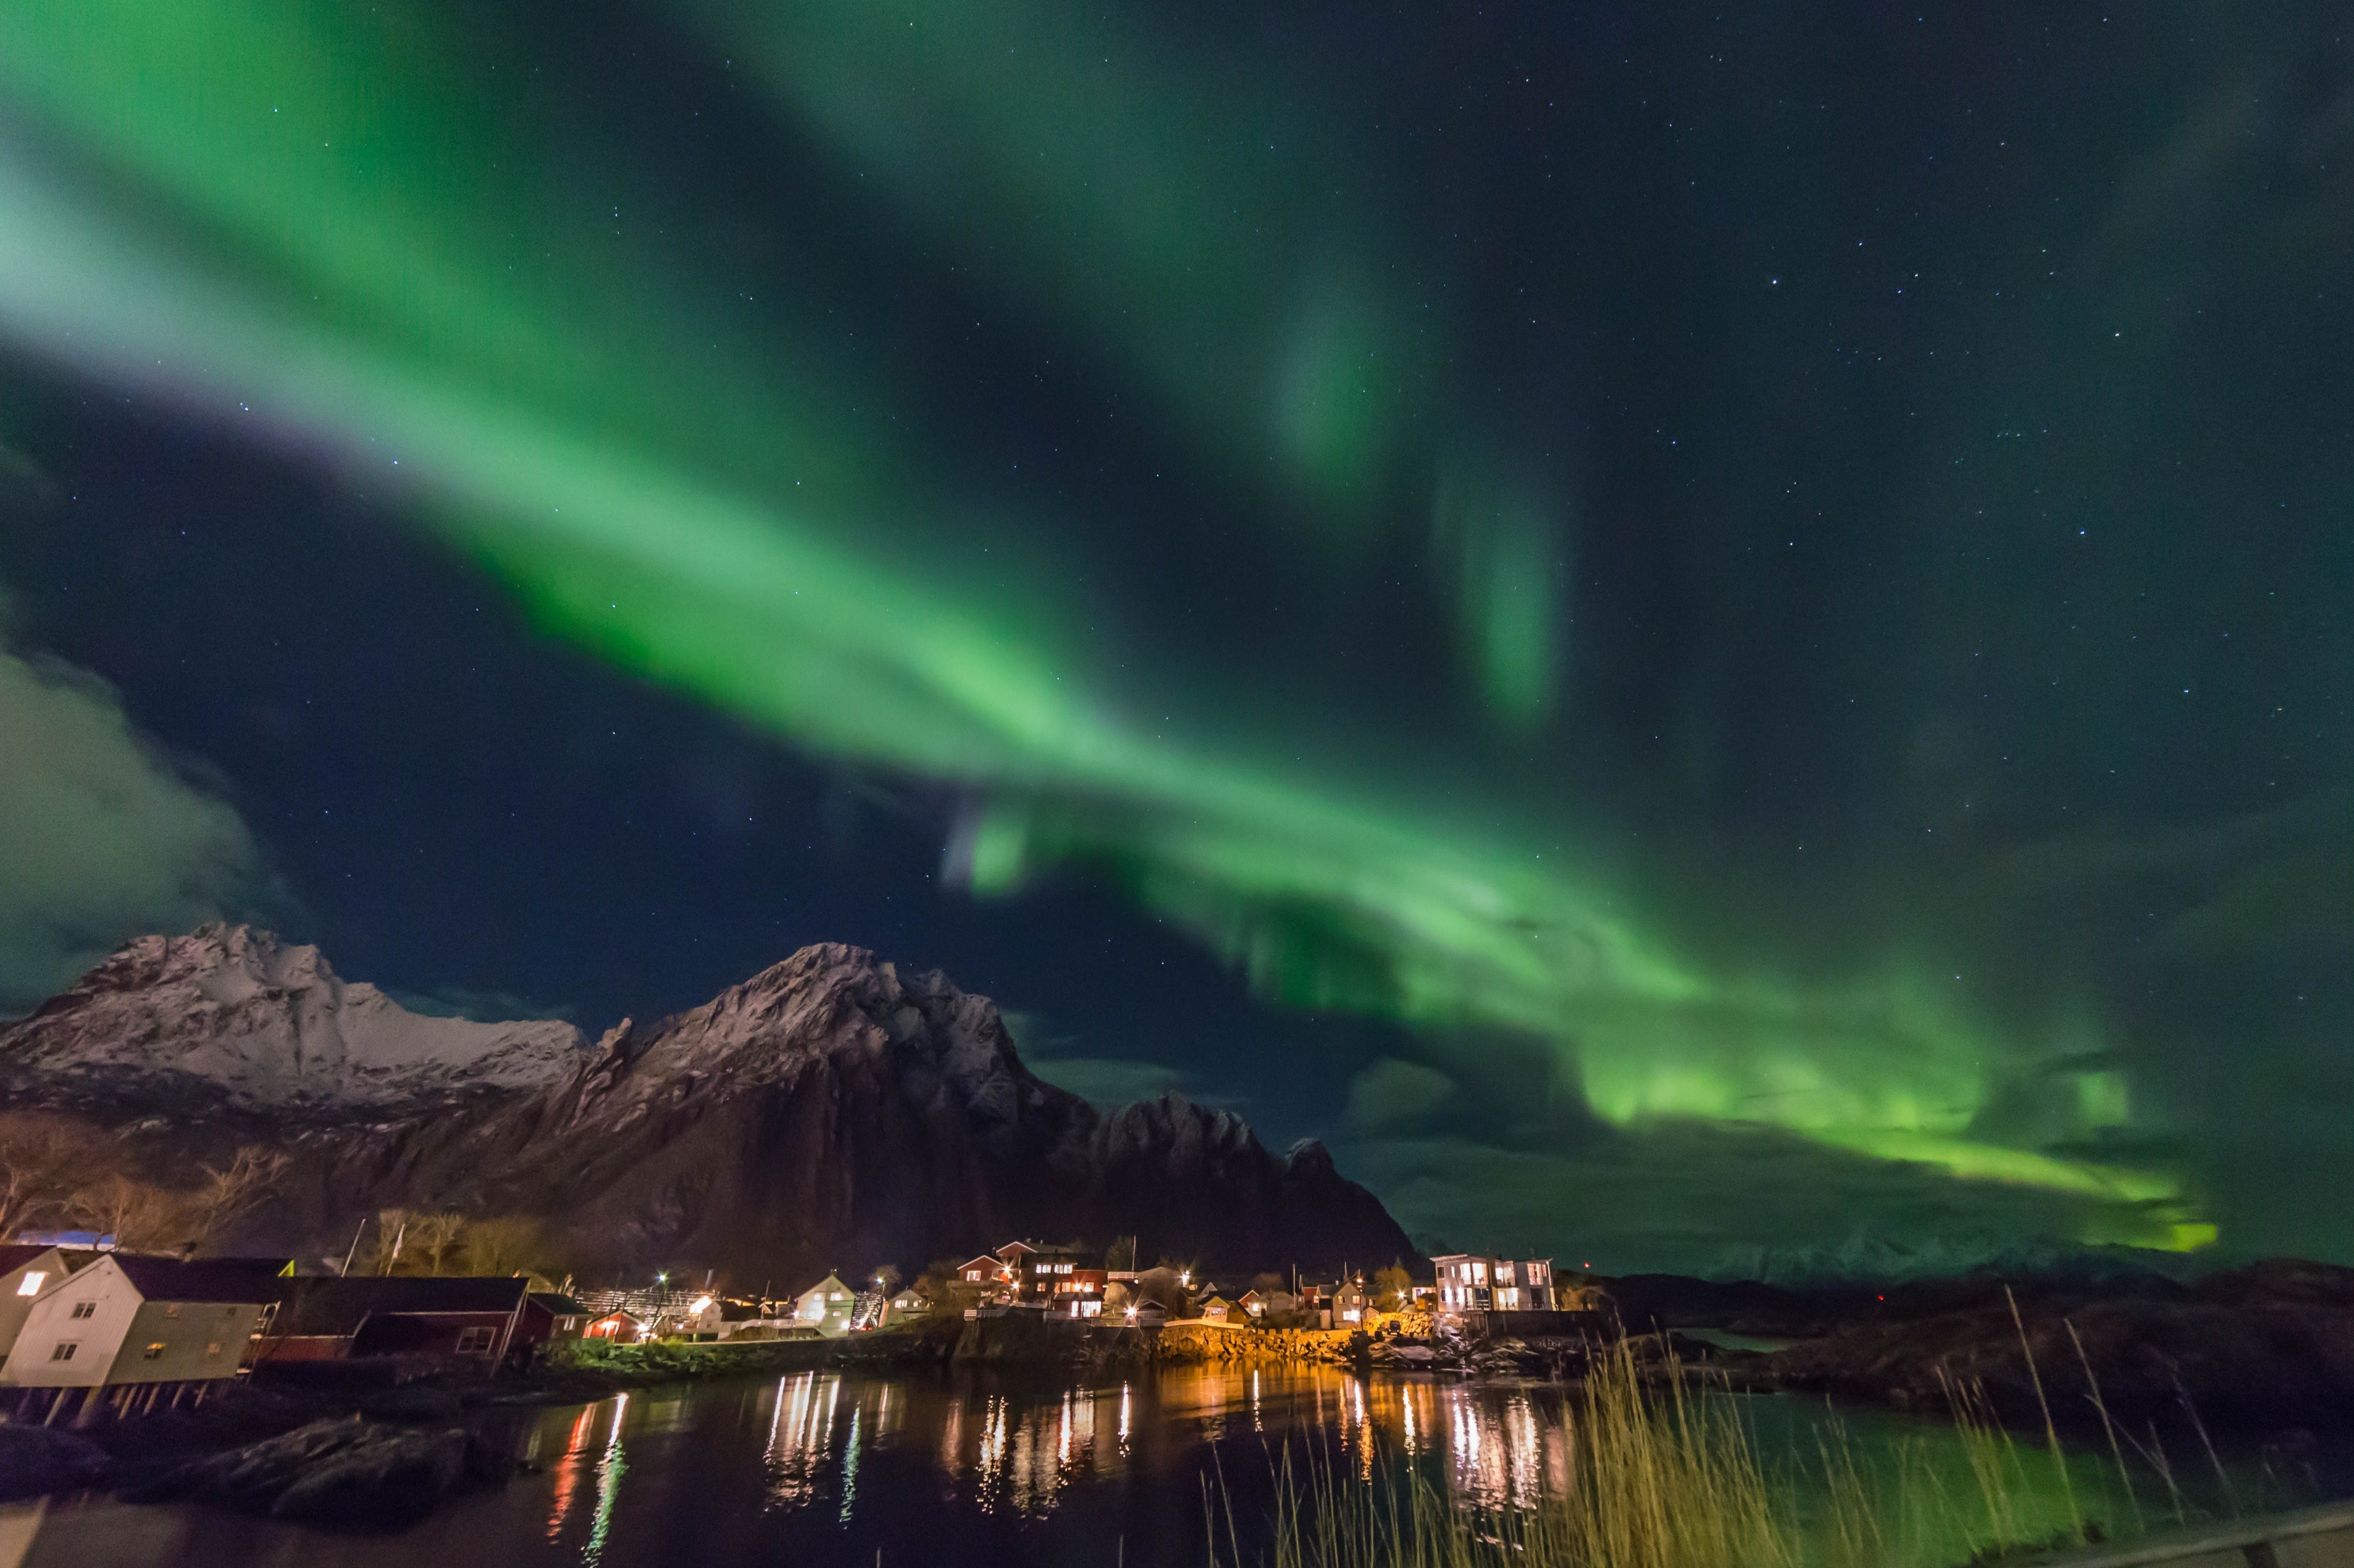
(1217, 1342)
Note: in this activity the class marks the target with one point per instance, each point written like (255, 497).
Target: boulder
(348, 1474)
(38, 1459)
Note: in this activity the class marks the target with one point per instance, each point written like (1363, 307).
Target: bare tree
(228, 1192)
(139, 1217)
(434, 1239)
(35, 1172)
(511, 1244)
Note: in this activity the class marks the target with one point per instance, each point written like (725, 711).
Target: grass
(1667, 1472)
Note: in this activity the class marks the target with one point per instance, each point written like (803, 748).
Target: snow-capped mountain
(831, 1111)
(231, 1016)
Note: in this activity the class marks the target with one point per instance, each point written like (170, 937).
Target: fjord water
(993, 1471)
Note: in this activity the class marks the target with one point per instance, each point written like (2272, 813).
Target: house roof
(169, 1279)
(561, 1304)
(832, 1281)
(1015, 1247)
(16, 1255)
(339, 1305)
(987, 1259)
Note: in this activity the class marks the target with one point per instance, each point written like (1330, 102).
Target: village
(91, 1332)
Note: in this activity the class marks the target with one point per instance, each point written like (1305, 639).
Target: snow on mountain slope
(229, 1015)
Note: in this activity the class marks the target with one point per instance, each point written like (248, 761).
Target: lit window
(84, 1309)
(213, 1348)
(64, 1352)
(31, 1284)
(154, 1352)
(171, 1309)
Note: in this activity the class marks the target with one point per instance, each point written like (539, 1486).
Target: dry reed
(1665, 1471)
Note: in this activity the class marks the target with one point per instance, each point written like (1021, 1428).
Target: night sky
(1707, 637)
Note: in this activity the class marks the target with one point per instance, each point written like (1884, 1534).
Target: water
(990, 1471)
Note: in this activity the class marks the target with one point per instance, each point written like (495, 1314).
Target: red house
(493, 1321)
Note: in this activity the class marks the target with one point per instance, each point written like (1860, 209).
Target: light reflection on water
(829, 1468)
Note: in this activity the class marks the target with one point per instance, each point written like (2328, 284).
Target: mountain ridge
(831, 1109)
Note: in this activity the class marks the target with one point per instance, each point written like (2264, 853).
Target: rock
(36, 1459)
(2259, 1365)
(350, 1474)
(412, 1405)
(383, 1484)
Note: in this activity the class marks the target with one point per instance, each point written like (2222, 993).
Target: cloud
(1392, 1095)
(1103, 1082)
(107, 837)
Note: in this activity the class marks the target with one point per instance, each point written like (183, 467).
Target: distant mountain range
(831, 1112)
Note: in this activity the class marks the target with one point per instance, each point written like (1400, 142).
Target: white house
(908, 1305)
(1471, 1283)
(137, 1321)
(827, 1307)
(24, 1269)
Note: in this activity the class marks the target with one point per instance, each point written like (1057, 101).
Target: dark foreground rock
(37, 1459)
(351, 1474)
(2248, 1365)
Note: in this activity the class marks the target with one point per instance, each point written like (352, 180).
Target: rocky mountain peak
(232, 1015)
(832, 1001)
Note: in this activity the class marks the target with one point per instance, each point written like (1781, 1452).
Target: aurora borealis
(1748, 614)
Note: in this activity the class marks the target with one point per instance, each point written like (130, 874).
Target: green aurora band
(332, 233)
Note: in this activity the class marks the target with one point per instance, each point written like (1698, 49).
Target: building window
(31, 1284)
(154, 1352)
(213, 1348)
(171, 1309)
(65, 1351)
(475, 1341)
(83, 1309)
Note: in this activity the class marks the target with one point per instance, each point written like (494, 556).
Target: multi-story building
(1038, 1273)
(1468, 1282)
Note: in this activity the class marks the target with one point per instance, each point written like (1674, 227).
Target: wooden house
(620, 1328)
(487, 1320)
(827, 1307)
(24, 1269)
(126, 1321)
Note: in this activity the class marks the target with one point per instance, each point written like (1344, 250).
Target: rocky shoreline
(2257, 1353)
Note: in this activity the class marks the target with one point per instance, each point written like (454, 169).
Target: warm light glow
(702, 1305)
(31, 1284)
